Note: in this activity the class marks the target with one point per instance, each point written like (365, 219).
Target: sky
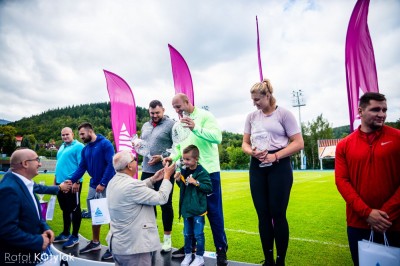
(52, 53)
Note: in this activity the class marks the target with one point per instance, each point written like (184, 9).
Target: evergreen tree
(314, 131)
(7, 139)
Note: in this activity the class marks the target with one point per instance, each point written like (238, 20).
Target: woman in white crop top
(270, 185)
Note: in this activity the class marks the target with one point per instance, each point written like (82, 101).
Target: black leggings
(166, 209)
(71, 211)
(270, 189)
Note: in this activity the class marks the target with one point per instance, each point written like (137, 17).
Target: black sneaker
(107, 256)
(221, 258)
(280, 261)
(90, 247)
(267, 262)
(86, 214)
(180, 253)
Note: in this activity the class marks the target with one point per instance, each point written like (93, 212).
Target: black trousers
(270, 189)
(166, 209)
(71, 211)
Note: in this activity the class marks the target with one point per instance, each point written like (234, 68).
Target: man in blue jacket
(23, 232)
(96, 159)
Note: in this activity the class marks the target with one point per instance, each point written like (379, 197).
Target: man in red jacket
(367, 173)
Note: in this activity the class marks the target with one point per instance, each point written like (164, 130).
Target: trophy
(260, 141)
(171, 153)
(141, 146)
(180, 131)
(41, 195)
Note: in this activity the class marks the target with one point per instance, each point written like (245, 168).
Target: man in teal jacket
(68, 159)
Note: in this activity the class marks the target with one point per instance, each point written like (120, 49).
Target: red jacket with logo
(368, 176)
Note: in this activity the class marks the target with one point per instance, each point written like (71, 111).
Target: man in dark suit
(64, 187)
(23, 233)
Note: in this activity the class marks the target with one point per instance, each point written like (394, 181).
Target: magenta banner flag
(181, 74)
(123, 111)
(360, 60)
(258, 52)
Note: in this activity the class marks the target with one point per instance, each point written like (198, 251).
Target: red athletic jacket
(368, 176)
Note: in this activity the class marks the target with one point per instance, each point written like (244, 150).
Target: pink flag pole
(123, 111)
(259, 53)
(181, 74)
(360, 60)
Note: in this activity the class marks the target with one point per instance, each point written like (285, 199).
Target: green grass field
(316, 215)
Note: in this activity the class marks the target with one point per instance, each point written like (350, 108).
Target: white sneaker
(167, 245)
(198, 261)
(186, 261)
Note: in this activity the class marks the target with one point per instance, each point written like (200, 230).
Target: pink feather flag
(181, 74)
(123, 111)
(259, 53)
(360, 60)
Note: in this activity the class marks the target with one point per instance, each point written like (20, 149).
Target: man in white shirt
(23, 232)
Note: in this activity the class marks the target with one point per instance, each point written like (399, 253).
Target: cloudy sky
(52, 53)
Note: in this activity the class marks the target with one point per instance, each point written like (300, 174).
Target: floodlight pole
(298, 101)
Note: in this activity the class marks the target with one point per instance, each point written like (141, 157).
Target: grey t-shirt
(159, 139)
(280, 124)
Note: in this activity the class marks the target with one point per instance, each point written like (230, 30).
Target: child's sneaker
(180, 253)
(187, 260)
(198, 261)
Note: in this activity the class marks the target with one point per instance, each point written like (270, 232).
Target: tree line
(40, 131)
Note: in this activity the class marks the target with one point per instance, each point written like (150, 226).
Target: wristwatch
(197, 183)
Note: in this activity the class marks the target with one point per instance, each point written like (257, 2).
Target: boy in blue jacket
(194, 182)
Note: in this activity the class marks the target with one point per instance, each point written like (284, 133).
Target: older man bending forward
(133, 232)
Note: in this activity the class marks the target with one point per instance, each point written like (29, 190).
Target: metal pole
(298, 102)
(302, 165)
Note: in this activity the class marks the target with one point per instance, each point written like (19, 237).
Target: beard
(375, 127)
(87, 139)
(155, 119)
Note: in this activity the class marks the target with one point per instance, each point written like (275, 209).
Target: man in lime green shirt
(206, 135)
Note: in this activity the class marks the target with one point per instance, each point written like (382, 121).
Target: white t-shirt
(29, 185)
(280, 124)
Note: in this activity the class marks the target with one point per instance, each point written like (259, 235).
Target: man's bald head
(21, 155)
(181, 103)
(25, 162)
(67, 135)
(66, 129)
(180, 96)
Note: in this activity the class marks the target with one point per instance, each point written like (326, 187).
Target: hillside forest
(42, 131)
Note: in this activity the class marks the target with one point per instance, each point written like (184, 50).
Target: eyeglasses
(36, 159)
(133, 160)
